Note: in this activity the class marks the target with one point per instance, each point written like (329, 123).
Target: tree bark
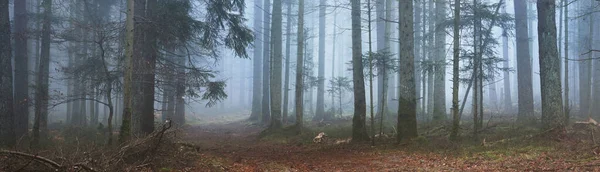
(257, 64)
(439, 103)
(299, 69)
(40, 126)
(567, 106)
(455, 71)
(125, 131)
(507, 92)
(7, 132)
(277, 57)
(359, 129)
(407, 116)
(21, 96)
(319, 115)
(525, 95)
(552, 110)
(266, 109)
(286, 85)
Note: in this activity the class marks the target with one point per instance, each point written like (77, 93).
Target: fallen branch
(41, 159)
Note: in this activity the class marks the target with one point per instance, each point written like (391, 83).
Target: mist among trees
(299, 85)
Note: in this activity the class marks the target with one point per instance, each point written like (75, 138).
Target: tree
(288, 36)
(359, 129)
(299, 69)
(148, 68)
(266, 109)
(552, 107)
(40, 125)
(276, 71)
(125, 131)
(439, 102)
(525, 95)
(257, 64)
(407, 114)
(321, 72)
(566, 76)
(21, 70)
(455, 71)
(507, 92)
(7, 132)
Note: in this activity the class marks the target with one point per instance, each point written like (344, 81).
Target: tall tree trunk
(371, 105)
(595, 99)
(125, 132)
(319, 115)
(299, 69)
(40, 126)
(21, 70)
(507, 92)
(148, 70)
(266, 109)
(407, 115)
(455, 71)
(567, 106)
(431, 58)
(439, 103)
(180, 78)
(525, 95)
(552, 117)
(419, 24)
(257, 64)
(7, 118)
(276, 56)
(584, 46)
(359, 129)
(476, 73)
(381, 47)
(286, 84)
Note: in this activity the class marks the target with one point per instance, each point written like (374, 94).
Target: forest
(299, 85)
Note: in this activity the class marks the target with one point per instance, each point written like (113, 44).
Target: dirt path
(235, 147)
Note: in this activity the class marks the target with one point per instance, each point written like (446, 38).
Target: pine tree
(552, 107)
(7, 133)
(407, 115)
(359, 129)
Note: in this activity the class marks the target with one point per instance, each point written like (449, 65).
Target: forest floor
(236, 146)
(231, 143)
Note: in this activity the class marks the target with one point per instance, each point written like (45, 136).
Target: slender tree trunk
(319, 115)
(286, 85)
(455, 71)
(381, 47)
(299, 69)
(584, 46)
(359, 129)
(257, 64)
(407, 117)
(40, 126)
(567, 106)
(7, 113)
(21, 95)
(371, 105)
(552, 117)
(276, 56)
(476, 72)
(439, 103)
(180, 77)
(125, 132)
(507, 92)
(266, 109)
(419, 24)
(431, 58)
(148, 68)
(525, 95)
